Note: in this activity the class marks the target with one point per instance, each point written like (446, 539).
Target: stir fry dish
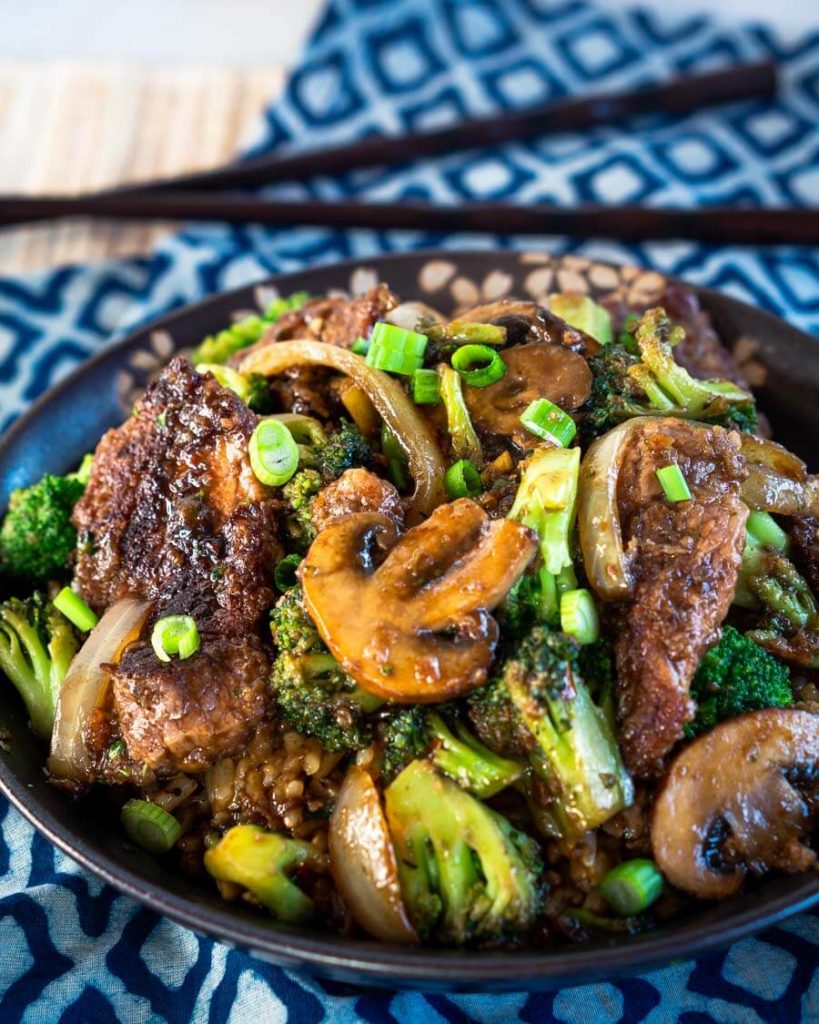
(491, 631)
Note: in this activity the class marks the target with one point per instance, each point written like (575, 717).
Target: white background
(255, 32)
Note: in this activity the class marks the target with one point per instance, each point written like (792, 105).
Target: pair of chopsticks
(198, 196)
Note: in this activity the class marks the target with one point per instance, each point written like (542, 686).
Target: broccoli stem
(546, 502)
(467, 761)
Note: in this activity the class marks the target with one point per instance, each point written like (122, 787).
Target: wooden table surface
(70, 126)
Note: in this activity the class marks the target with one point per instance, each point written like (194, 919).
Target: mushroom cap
(532, 371)
(408, 618)
(734, 791)
(527, 321)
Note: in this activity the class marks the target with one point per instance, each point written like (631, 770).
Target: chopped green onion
(632, 886)
(465, 443)
(673, 483)
(426, 387)
(75, 610)
(479, 365)
(284, 575)
(274, 454)
(360, 346)
(228, 378)
(462, 480)
(578, 616)
(584, 313)
(396, 350)
(395, 456)
(767, 531)
(548, 421)
(175, 634)
(467, 332)
(150, 826)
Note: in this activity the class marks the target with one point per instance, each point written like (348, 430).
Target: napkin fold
(75, 951)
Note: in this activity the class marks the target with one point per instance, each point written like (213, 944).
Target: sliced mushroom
(362, 860)
(732, 802)
(527, 322)
(409, 618)
(532, 371)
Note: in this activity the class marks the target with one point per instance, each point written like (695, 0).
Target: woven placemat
(67, 127)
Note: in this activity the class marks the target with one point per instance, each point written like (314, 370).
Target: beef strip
(356, 490)
(336, 321)
(685, 558)
(182, 715)
(173, 513)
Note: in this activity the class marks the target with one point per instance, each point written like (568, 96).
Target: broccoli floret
(345, 449)
(404, 736)
(37, 537)
(539, 706)
(299, 492)
(735, 676)
(769, 584)
(265, 863)
(317, 698)
(653, 383)
(546, 502)
(218, 348)
(325, 457)
(467, 876)
(314, 695)
(37, 645)
(413, 732)
(291, 627)
(259, 398)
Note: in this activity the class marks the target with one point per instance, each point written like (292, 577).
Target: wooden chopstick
(678, 96)
(736, 226)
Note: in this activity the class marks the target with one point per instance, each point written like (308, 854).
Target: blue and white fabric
(72, 950)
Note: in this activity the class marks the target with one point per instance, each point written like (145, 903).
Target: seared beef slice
(685, 557)
(174, 513)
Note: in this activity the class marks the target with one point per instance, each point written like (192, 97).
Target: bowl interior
(95, 398)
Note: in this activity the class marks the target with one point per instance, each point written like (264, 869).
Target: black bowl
(68, 421)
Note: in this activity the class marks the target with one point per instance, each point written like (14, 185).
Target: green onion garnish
(462, 480)
(673, 483)
(150, 826)
(396, 350)
(228, 378)
(632, 886)
(479, 365)
(426, 387)
(578, 616)
(175, 634)
(360, 346)
(546, 420)
(274, 454)
(284, 575)
(75, 610)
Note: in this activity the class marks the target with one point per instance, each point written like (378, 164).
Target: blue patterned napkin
(75, 952)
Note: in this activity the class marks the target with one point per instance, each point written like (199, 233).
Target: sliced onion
(601, 539)
(777, 480)
(362, 860)
(426, 462)
(85, 686)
